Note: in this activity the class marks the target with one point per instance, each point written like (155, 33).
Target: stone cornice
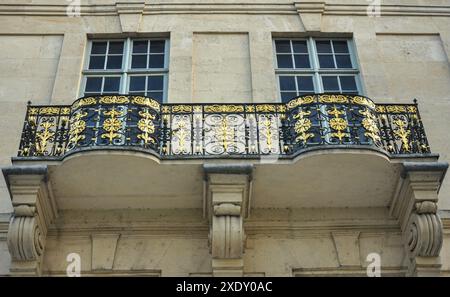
(325, 7)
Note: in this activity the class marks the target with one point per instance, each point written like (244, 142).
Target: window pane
(116, 47)
(284, 61)
(156, 95)
(330, 83)
(286, 96)
(340, 46)
(97, 62)
(141, 93)
(300, 47)
(156, 61)
(139, 61)
(326, 61)
(140, 46)
(283, 46)
(155, 83)
(305, 83)
(323, 46)
(93, 84)
(114, 62)
(137, 83)
(343, 61)
(157, 46)
(348, 83)
(287, 83)
(98, 48)
(112, 84)
(302, 61)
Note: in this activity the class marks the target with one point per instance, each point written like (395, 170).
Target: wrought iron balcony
(221, 130)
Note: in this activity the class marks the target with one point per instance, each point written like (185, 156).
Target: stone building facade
(203, 144)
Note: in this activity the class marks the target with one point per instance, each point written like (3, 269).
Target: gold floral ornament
(149, 103)
(147, 126)
(402, 134)
(370, 124)
(268, 133)
(224, 108)
(302, 127)
(114, 100)
(77, 126)
(44, 136)
(181, 108)
(338, 124)
(225, 133)
(112, 125)
(181, 132)
(84, 102)
(300, 101)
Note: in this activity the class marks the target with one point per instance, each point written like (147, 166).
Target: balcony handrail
(221, 129)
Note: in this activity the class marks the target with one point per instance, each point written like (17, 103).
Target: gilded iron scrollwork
(222, 129)
(147, 127)
(302, 126)
(338, 124)
(112, 125)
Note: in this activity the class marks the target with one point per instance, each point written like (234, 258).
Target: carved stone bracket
(34, 211)
(311, 15)
(415, 206)
(130, 15)
(226, 204)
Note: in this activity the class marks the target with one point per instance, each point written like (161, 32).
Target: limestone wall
(222, 52)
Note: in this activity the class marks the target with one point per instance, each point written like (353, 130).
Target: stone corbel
(311, 15)
(415, 206)
(130, 15)
(227, 194)
(34, 210)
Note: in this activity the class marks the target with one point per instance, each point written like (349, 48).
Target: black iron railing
(222, 130)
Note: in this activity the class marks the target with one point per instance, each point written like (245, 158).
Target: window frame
(315, 71)
(126, 71)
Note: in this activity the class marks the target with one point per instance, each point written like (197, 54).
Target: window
(307, 66)
(131, 66)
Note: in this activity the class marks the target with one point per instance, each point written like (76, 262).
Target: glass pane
(156, 95)
(156, 61)
(283, 46)
(155, 83)
(97, 62)
(140, 46)
(300, 47)
(323, 46)
(157, 46)
(142, 93)
(116, 47)
(139, 61)
(302, 61)
(98, 48)
(114, 62)
(137, 83)
(287, 83)
(340, 46)
(330, 83)
(326, 61)
(112, 84)
(305, 83)
(284, 61)
(286, 96)
(343, 61)
(93, 84)
(348, 83)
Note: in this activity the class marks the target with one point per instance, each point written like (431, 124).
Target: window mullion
(126, 66)
(106, 55)
(315, 61)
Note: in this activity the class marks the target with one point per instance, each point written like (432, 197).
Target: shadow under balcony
(325, 150)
